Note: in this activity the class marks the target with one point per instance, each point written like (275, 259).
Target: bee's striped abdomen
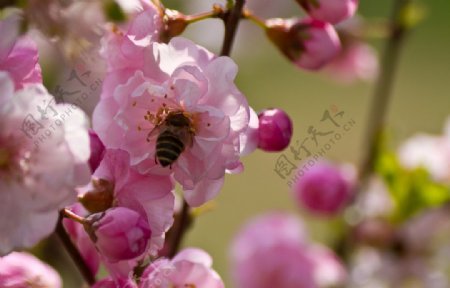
(168, 148)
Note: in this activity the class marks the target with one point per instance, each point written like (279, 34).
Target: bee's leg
(170, 166)
(156, 160)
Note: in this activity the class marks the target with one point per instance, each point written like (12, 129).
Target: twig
(231, 25)
(383, 90)
(180, 227)
(73, 252)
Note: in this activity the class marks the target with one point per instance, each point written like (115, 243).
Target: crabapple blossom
(275, 130)
(116, 184)
(332, 11)
(18, 55)
(308, 43)
(273, 251)
(356, 61)
(115, 283)
(147, 83)
(97, 150)
(191, 267)
(428, 151)
(119, 233)
(20, 269)
(324, 189)
(43, 157)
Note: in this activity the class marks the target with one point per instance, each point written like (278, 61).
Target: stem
(383, 89)
(231, 25)
(69, 214)
(255, 19)
(73, 251)
(180, 227)
(216, 12)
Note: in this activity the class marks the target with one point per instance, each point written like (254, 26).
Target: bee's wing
(154, 133)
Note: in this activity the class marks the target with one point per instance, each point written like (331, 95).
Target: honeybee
(174, 134)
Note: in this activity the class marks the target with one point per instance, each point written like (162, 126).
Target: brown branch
(231, 26)
(73, 252)
(383, 90)
(179, 228)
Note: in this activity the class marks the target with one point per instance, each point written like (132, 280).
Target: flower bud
(275, 130)
(332, 11)
(119, 233)
(97, 150)
(324, 189)
(309, 43)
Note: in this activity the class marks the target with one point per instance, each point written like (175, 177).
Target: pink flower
(97, 150)
(309, 43)
(44, 149)
(428, 151)
(24, 270)
(356, 61)
(147, 86)
(275, 130)
(332, 11)
(119, 233)
(149, 195)
(18, 55)
(324, 189)
(115, 283)
(272, 251)
(189, 268)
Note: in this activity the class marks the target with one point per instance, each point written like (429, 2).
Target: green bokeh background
(420, 102)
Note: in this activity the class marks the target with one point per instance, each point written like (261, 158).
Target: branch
(383, 89)
(180, 227)
(231, 25)
(73, 252)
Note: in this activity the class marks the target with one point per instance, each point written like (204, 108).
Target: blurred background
(420, 103)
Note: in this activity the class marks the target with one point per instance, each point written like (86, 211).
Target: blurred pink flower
(332, 11)
(119, 233)
(19, 270)
(191, 267)
(152, 81)
(18, 55)
(44, 149)
(324, 189)
(428, 151)
(115, 283)
(356, 61)
(308, 43)
(273, 251)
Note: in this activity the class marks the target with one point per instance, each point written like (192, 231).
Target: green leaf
(412, 191)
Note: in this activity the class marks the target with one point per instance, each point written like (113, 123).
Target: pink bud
(119, 233)
(323, 189)
(275, 130)
(332, 11)
(309, 43)
(97, 150)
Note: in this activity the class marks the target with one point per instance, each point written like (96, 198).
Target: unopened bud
(332, 11)
(119, 233)
(308, 43)
(275, 130)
